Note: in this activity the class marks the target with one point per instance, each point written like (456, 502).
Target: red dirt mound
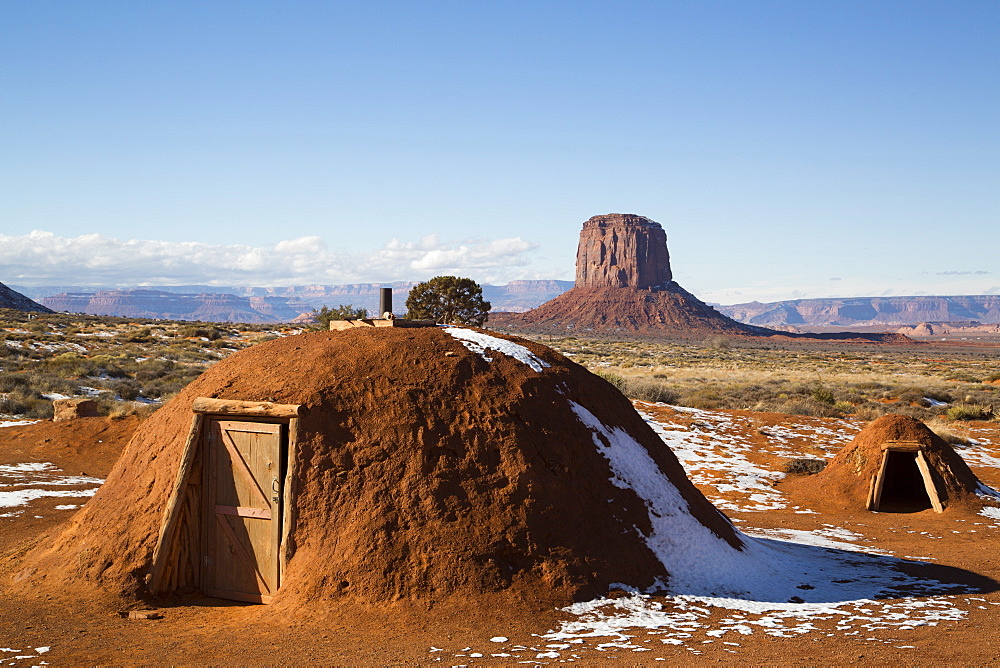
(427, 469)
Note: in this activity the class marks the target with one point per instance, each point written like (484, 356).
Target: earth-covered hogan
(426, 463)
(897, 464)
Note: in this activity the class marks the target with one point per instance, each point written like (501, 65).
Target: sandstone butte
(624, 287)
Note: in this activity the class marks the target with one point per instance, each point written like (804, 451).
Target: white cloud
(93, 259)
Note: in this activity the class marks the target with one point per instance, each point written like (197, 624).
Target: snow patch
(696, 558)
(17, 423)
(23, 496)
(780, 587)
(479, 343)
(992, 513)
(24, 483)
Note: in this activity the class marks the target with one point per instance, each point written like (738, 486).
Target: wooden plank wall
(182, 567)
(171, 532)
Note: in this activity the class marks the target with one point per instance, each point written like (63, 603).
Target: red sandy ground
(203, 630)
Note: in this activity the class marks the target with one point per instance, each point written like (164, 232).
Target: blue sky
(790, 149)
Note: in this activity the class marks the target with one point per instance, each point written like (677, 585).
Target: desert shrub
(705, 399)
(805, 466)
(993, 377)
(747, 396)
(938, 395)
(965, 412)
(140, 335)
(811, 407)
(127, 389)
(210, 332)
(612, 378)
(844, 407)
(24, 402)
(650, 390)
(120, 409)
(947, 435)
(70, 364)
(871, 411)
(11, 381)
(153, 369)
(717, 343)
(963, 377)
(342, 312)
(824, 396)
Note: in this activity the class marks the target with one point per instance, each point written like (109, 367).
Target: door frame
(878, 480)
(204, 409)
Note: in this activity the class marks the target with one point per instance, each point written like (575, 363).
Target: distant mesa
(625, 287)
(15, 300)
(970, 310)
(926, 329)
(258, 304)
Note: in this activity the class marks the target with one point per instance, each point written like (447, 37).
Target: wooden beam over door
(223, 407)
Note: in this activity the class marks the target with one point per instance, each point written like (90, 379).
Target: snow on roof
(479, 343)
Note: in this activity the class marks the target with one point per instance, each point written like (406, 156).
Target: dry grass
(129, 366)
(865, 381)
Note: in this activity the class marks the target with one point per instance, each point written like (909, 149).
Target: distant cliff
(856, 311)
(256, 304)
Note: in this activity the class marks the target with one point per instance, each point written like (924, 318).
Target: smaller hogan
(897, 464)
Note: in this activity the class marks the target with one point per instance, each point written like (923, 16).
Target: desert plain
(716, 403)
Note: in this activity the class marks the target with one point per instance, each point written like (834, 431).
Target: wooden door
(242, 505)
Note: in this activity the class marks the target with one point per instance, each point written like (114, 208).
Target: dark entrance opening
(903, 487)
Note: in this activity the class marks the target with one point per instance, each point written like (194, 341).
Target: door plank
(240, 550)
(240, 464)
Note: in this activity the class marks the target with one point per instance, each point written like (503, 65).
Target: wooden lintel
(207, 405)
(903, 446)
